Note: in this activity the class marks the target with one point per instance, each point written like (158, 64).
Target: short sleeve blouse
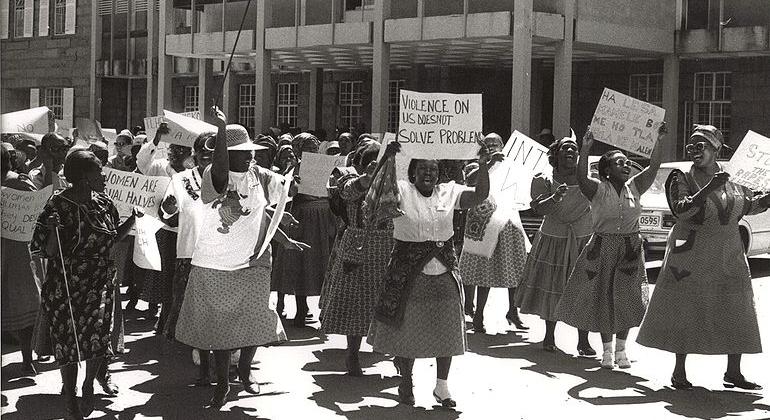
(616, 213)
(427, 218)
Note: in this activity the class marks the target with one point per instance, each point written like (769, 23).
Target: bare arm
(473, 198)
(220, 163)
(588, 185)
(644, 179)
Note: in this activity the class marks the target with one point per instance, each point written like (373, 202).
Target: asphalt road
(505, 374)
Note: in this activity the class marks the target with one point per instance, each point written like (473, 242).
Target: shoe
(220, 396)
(469, 312)
(405, 394)
(28, 369)
(621, 360)
(108, 387)
(299, 318)
(586, 350)
(680, 383)
(249, 384)
(478, 325)
(447, 402)
(549, 347)
(607, 360)
(513, 318)
(72, 409)
(88, 401)
(740, 382)
(43, 359)
(353, 366)
(203, 381)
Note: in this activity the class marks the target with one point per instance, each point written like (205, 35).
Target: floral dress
(87, 234)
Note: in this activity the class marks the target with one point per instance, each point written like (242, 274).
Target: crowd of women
(398, 261)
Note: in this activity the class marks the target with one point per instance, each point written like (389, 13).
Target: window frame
(394, 104)
(18, 19)
(191, 98)
(647, 87)
(287, 104)
(350, 103)
(49, 96)
(59, 12)
(247, 105)
(708, 103)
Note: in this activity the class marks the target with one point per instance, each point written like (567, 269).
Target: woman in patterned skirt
(182, 208)
(352, 287)
(495, 244)
(703, 301)
(565, 231)
(75, 232)
(605, 290)
(419, 313)
(226, 301)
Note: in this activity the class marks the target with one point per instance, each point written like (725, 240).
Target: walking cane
(69, 297)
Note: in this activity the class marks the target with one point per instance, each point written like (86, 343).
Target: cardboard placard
(110, 134)
(402, 160)
(440, 125)
(750, 164)
(527, 153)
(314, 172)
(627, 123)
(184, 130)
(146, 253)
(128, 190)
(19, 211)
(280, 207)
(34, 120)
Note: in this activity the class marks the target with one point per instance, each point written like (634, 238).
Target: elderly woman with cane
(75, 232)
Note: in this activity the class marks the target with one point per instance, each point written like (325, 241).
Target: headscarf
(272, 146)
(305, 142)
(277, 162)
(710, 134)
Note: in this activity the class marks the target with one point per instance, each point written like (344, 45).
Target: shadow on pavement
(334, 360)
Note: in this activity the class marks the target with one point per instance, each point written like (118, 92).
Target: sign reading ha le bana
(439, 125)
(627, 123)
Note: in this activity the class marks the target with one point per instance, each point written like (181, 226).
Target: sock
(620, 345)
(442, 389)
(607, 347)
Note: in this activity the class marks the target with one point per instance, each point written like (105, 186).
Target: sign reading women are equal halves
(440, 125)
(627, 123)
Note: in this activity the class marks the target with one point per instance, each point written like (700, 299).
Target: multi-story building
(339, 63)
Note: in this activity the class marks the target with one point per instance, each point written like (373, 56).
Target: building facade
(334, 64)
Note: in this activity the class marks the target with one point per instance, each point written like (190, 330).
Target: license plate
(649, 221)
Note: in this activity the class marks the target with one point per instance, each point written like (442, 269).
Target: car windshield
(655, 197)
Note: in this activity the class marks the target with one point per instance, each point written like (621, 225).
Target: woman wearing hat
(605, 289)
(564, 232)
(703, 301)
(226, 301)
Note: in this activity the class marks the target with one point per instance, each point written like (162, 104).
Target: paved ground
(504, 375)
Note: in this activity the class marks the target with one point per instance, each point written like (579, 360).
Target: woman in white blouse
(419, 313)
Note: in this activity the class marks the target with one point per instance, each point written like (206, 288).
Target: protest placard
(129, 190)
(626, 122)
(88, 129)
(110, 134)
(440, 125)
(314, 172)
(146, 253)
(402, 159)
(184, 130)
(34, 120)
(280, 207)
(526, 152)
(151, 125)
(750, 164)
(19, 211)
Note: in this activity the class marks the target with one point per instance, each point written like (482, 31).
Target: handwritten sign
(19, 212)
(184, 130)
(34, 120)
(527, 153)
(129, 190)
(440, 125)
(314, 172)
(626, 122)
(280, 207)
(402, 159)
(750, 164)
(146, 253)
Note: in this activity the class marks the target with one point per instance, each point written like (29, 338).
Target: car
(657, 220)
(531, 221)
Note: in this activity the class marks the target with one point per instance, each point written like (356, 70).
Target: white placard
(128, 190)
(19, 211)
(402, 160)
(34, 120)
(440, 125)
(750, 164)
(146, 253)
(627, 123)
(184, 130)
(314, 172)
(527, 153)
(278, 213)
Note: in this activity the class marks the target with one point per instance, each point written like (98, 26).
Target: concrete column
(536, 99)
(262, 66)
(521, 71)
(150, 56)
(380, 68)
(94, 83)
(671, 105)
(562, 72)
(316, 96)
(165, 62)
(207, 87)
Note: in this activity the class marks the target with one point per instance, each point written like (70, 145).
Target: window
(647, 87)
(53, 98)
(393, 104)
(190, 98)
(247, 105)
(59, 17)
(711, 104)
(350, 103)
(18, 19)
(287, 105)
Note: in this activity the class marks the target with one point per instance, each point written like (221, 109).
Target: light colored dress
(703, 301)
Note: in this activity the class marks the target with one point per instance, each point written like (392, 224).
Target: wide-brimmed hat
(710, 133)
(238, 138)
